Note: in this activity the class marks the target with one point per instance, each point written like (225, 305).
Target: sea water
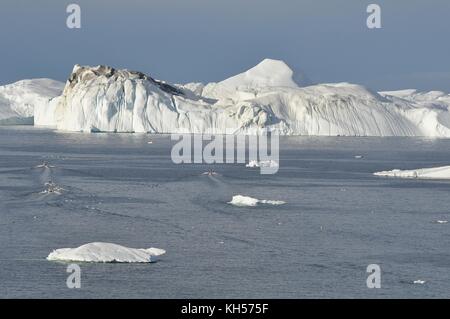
(337, 219)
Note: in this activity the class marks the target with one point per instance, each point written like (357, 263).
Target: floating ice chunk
(269, 163)
(420, 282)
(240, 200)
(442, 172)
(252, 163)
(106, 253)
(359, 156)
(442, 221)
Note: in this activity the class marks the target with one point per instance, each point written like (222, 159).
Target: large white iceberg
(442, 172)
(18, 100)
(106, 253)
(265, 97)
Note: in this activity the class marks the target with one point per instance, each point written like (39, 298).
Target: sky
(209, 40)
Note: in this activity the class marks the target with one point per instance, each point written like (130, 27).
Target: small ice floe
(240, 200)
(270, 163)
(424, 173)
(442, 221)
(44, 164)
(106, 253)
(150, 142)
(52, 188)
(419, 282)
(359, 156)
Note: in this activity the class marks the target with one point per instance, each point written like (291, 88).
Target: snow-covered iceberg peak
(268, 73)
(106, 253)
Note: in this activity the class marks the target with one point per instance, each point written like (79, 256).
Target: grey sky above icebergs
(210, 40)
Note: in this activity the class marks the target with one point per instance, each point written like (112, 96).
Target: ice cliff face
(105, 99)
(18, 100)
(266, 96)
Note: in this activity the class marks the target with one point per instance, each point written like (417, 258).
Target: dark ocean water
(338, 218)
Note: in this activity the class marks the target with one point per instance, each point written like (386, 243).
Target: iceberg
(269, 163)
(242, 201)
(442, 172)
(106, 253)
(19, 100)
(264, 98)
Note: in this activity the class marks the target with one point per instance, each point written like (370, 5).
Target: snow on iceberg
(240, 200)
(106, 253)
(422, 173)
(268, 73)
(265, 97)
(18, 100)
